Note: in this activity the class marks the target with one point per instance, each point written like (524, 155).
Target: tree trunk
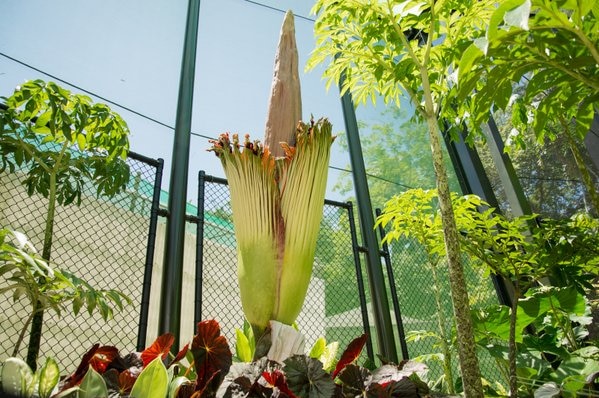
(459, 295)
(512, 341)
(38, 319)
(442, 321)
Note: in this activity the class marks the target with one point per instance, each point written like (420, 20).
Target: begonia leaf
(159, 348)
(351, 353)
(305, 377)
(212, 355)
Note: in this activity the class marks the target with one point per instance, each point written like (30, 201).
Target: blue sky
(130, 52)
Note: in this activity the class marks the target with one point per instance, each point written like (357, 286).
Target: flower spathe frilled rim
(277, 207)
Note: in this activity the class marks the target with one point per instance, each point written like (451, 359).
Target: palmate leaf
(306, 378)
(211, 354)
(159, 348)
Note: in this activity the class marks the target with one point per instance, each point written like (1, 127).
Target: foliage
(414, 215)
(104, 372)
(20, 381)
(556, 353)
(523, 249)
(43, 122)
(551, 49)
(44, 128)
(29, 276)
(408, 48)
(277, 207)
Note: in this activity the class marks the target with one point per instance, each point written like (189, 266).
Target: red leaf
(103, 357)
(160, 347)
(126, 380)
(98, 357)
(351, 353)
(180, 354)
(211, 354)
(276, 378)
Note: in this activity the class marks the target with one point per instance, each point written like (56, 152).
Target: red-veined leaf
(351, 353)
(126, 380)
(211, 354)
(160, 347)
(98, 357)
(103, 357)
(180, 355)
(276, 378)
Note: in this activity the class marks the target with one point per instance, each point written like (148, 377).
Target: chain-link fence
(335, 303)
(103, 241)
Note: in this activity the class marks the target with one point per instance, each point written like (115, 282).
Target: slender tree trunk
(466, 345)
(38, 319)
(512, 341)
(442, 321)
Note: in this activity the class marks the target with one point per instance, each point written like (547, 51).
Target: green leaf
(518, 17)
(175, 385)
(49, 376)
(499, 15)
(81, 141)
(318, 348)
(329, 356)
(242, 347)
(16, 377)
(93, 385)
(152, 381)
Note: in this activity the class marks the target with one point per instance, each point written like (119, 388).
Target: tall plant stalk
(277, 196)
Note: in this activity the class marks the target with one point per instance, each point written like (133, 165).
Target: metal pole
(359, 279)
(515, 194)
(393, 290)
(473, 180)
(197, 314)
(149, 266)
(172, 276)
(376, 279)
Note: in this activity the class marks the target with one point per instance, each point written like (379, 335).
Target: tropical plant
(551, 49)
(30, 276)
(277, 196)
(210, 372)
(44, 127)
(18, 380)
(277, 207)
(413, 214)
(524, 251)
(408, 48)
(558, 359)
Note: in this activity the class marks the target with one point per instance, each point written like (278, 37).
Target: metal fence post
(172, 276)
(149, 266)
(393, 290)
(197, 315)
(359, 278)
(376, 279)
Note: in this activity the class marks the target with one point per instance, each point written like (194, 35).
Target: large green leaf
(152, 381)
(16, 377)
(93, 385)
(48, 378)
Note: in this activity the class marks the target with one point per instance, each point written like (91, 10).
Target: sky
(129, 52)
